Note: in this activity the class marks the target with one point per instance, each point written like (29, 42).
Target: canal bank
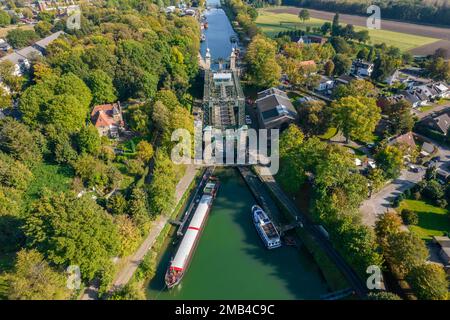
(231, 261)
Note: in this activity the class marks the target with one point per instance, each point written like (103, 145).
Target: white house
(362, 68)
(325, 84)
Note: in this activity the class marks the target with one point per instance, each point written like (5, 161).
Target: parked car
(436, 159)
(248, 120)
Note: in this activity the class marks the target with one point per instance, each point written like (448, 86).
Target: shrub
(410, 217)
(407, 194)
(442, 203)
(417, 195)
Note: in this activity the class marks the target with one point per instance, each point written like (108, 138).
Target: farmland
(274, 20)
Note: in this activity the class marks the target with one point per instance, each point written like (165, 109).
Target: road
(353, 279)
(381, 201)
(124, 275)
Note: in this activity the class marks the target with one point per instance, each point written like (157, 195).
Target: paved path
(124, 275)
(381, 201)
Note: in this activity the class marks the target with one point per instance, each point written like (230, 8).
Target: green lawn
(433, 221)
(331, 132)
(272, 23)
(48, 176)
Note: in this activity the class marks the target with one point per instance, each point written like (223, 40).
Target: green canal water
(231, 262)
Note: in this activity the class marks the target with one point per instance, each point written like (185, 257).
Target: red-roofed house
(406, 140)
(107, 118)
(308, 64)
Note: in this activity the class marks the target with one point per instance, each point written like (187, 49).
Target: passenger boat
(205, 25)
(186, 249)
(203, 37)
(266, 229)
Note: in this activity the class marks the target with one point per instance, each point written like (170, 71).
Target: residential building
(275, 110)
(427, 149)
(407, 141)
(325, 84)
(440, 123)
(444, 250)
(21, 58)
(361, 68)
(4, 46)
(344, 79)
(308, 39)
(108, 120)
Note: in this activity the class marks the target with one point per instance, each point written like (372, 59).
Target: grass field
(433, 221)
(272, 23)
(48, 176)
(4, 31)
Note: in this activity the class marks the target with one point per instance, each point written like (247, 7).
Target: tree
(390, 160)
(325, 28)
(34, 279)
(73, 231)
(377, 179)
(290, 140)
(102, 87)
(88, 140)
(19, 142)
(129, 235)
(13, 173)
(303, 15)
(400, 116)
(429, 282)
(264, 70)
(130, 291)
(384, 66)
(361, 36)
(340, 45)
(162, 187)
(144, 151)
(356, 117)
(19, 38)
(117, 204)
(328, 68)
(355, 88)
(404, 251)
(363, 54)
(439, 69)
(335, 27)
(43, 28)
(59, 101)
(138, 209)
(314, 117)
(388, 223)
(342, 64)
(5, 18)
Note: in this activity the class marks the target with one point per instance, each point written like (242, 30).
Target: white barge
(266, 229)
(186, 249)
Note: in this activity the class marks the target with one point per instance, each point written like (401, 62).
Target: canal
(230, 261)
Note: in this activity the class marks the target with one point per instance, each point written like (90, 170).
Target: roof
(443, 122)
(102, 115)
(276, 108)
(405, 139)
(188, 242)
(43, 43)
(428, 147)
(307, 63)
(345, 79)
(444, 243)
(14, 58)
(29, 52)
(271, 91)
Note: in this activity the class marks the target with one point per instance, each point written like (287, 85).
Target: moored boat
(185, 251)
(266, 229)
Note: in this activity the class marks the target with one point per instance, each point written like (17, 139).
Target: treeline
(244, 16)
(407, 10)
(136, 55)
